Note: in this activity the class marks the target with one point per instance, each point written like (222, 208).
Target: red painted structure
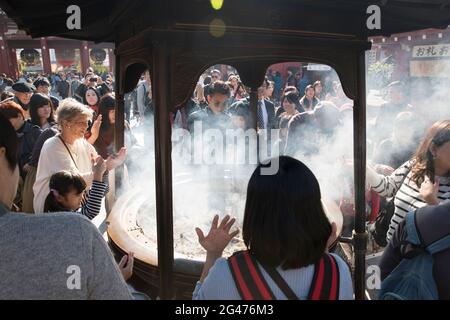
(400, 48)
(12, 39)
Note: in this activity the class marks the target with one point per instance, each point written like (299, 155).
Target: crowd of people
(65, 151)
(225, 99)
(407, 171)
(63, 139)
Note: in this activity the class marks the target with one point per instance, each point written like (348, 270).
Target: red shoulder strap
(325, 283)
(247, 276)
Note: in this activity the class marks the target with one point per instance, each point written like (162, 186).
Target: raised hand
(126, 265)
(114, 161)
(95, 130)
(96, 126)
(429, 191)
(218, 236)
(98, 168)
(384, 169)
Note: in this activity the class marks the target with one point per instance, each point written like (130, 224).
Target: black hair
(284, 221)
(41, 81)
(289, 89)
(241, 110)
(9, 141)
(291, 97)
(315, 84)
(216, 71)
(9, 82)
(207, 80)
(309, 86)
(37, 101)
(327, 115)
(96, 93)
(267, 82)
(107, 103)
(63, 182)
(5, 95)
(219, 87)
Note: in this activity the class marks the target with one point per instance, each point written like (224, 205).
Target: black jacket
(28, 135)
(209, 120)
(63, 88)
(272, 123)
(55, 102)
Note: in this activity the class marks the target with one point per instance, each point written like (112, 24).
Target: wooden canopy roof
(322, 31)
(118, 20)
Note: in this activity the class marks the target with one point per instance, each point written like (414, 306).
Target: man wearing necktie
(266, 111)
(265, 117)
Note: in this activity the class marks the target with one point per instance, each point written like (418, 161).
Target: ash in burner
(195, 202)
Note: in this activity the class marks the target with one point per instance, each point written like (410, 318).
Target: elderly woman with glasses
(69, 150)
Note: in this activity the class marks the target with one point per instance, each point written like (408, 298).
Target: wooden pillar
(119, 127)
(359, 149)
(13, 65)
(45, 53)
(4, 64)
(84, 56)
(160, 73)
(111, 58)
(4, 52)
(8, 58)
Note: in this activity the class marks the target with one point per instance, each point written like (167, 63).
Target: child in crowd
(67, 191)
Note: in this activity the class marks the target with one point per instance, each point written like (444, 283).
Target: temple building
(19, 53)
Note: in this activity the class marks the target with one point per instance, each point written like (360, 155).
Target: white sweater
(54, 158)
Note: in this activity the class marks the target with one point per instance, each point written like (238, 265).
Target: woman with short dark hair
(291, 105)
(41, 111)
(286, 232)
(318, 93)
(91, 99)
(309, 101)
(26, 131)
(105, 141)
(42, 115)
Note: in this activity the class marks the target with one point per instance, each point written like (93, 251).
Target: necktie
(260, 116)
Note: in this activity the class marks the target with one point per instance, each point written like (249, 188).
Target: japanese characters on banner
(318, 67)
(432, 51)
(430, 61)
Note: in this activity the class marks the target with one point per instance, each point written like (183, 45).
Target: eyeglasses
(82, 123)
(220, 104)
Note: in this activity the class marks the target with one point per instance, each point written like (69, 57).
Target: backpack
(383, 220)
(252, 285)
(413, 278)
